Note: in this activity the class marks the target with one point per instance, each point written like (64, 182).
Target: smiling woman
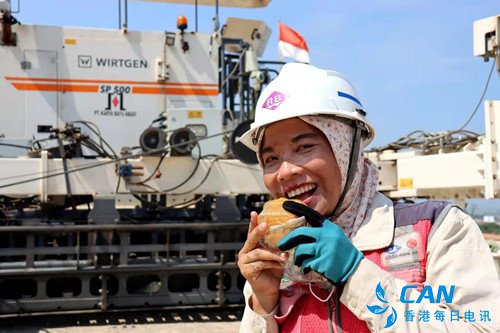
(299, 163)
(309, 133)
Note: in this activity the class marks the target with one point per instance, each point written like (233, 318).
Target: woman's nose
(287, 170)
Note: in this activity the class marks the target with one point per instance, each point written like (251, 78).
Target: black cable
(92, 145)
(192, 172)
(165, 191)
(158, 166)
(95, 165)
(101, 138)
(37, 142)
(455, 139)
(145, 201)
(184, 204)
(37, 173)
(330, 321)
(154, 171)
(191, 190)
(480, 99)
(151, 188)
(118, 183)
(446, 139)
(14, 145)
(122, 215)
(202, 181)
(138, 197)
(337, 310)
(97, 132)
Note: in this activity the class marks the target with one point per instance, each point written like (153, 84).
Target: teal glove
(324, 248)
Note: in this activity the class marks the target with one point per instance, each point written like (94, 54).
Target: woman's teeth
(300, 190)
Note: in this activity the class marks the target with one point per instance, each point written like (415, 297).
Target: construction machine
(124, 184)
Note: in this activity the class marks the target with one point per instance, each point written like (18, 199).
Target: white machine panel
(492, 149)
(452, 170)
(224, 177)
(487, 26)
(58, 75)
(39, 104)
(203, 123)
(254, 32)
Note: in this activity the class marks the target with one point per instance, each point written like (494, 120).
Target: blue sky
(410, 60)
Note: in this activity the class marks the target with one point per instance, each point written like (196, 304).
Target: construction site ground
(171, 321)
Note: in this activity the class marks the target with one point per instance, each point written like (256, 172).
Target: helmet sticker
(274, 100)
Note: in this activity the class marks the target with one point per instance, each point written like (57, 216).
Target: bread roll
(278, 221)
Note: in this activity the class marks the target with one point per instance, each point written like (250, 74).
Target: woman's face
(298, 163)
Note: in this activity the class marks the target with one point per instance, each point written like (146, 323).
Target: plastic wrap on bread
(280, 222)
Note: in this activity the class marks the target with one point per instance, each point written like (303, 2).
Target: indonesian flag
(292, 44)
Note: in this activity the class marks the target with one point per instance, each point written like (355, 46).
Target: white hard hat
(300, 90)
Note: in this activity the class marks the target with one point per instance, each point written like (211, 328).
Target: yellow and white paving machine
(123, 182)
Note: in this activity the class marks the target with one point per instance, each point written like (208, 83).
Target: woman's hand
(323, 247)
(261, 267)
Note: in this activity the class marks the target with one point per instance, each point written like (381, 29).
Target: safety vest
(405, 259)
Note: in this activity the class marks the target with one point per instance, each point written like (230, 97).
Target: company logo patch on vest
(442, 294)
(407, 250)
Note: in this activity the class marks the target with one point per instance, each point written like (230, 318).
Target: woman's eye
(305, 147)
(269, 160)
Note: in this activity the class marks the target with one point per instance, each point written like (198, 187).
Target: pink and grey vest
(405, 259)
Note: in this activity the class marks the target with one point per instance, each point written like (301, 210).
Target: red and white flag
(292, 44)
